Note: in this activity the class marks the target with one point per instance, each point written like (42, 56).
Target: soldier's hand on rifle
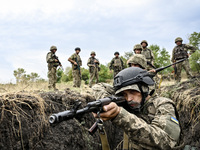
(75, 63)
(173, 66)
(111, 111)
(95, 61)
(56, 60)
(152, 70)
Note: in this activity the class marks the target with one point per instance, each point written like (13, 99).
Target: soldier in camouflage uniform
(137, 60)
(148, 122)
(179, 52)
(53, 63)
(116, 64)
(76, 62)
(148, 54)
(94, 68)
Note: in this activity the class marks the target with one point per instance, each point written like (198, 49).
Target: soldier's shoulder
(158, 101)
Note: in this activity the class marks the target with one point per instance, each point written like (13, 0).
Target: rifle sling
(103, 137)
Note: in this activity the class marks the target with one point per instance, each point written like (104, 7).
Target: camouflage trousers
(186, 66)
(94, 74)
(52, 77)
(76, 78)
(116, 72)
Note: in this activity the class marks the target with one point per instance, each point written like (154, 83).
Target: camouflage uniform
(148, 54)
(138, 59)
(93, 69)
(76, 70)
(180, 52)
(52, 68)
(117, 65)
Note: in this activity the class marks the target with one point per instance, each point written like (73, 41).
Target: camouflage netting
(186, 95)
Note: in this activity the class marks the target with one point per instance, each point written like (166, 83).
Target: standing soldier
(137, 49)
(179, 52)
(116, 64)
(76, 62)
(94, 68)
(148, 54)
(53, 63)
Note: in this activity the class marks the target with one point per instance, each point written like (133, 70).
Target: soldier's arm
(191, 48)
(172, 60)
(89, 63)
(71, 59)
(152, 55)
(111, 64)
(162, 133)
(122, 63)
(49, 58)
(80, 62)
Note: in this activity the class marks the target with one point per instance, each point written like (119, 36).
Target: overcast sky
(29, 27)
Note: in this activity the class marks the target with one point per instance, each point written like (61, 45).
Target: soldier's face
(144, 44)
(137, 51)
(93, 55)
(54, 50)
(77, 51)
(178, 43)
(116, 55)
(133, 96)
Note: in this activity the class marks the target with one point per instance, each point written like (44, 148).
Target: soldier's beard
(134, 105)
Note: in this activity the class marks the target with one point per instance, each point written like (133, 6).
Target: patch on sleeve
(174, 120)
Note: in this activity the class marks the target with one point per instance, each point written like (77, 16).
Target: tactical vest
(117, 66)
(91, 69)
(77, 59)
(180, 52)
(51, 64)
(147, 54)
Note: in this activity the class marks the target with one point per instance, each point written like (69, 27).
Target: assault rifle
(96, 106)
(56, 57)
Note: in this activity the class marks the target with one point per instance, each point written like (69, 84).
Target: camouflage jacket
(155, 127)
(75, 57)
(116, 64)
(92, 65)
(148, 54)
(50, 58)
(180, 52)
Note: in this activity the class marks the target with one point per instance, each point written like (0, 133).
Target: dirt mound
(186, 96)
(24, 123)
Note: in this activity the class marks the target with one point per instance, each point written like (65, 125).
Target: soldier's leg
(74, 77)
(78, 77)
(97, 76)
(178, 74)
(92, 74)
(50, 76)
(186, 67)
(54, 77)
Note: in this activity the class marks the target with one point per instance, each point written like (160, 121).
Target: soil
(24, 119)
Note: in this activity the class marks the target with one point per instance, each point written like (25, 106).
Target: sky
(28, 28)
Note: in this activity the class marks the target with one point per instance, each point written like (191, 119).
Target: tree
(33, 77)
(162, 58)
(19, 74)
(194, 39)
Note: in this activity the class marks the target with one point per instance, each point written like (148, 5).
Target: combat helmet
(133, 78)
(138, 59)
(92, 53)
(144, 41)
(116, 53)
(178, 39)
(77, 49)
(137, 46)
(53, 47)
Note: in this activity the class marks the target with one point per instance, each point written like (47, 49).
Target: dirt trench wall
(186, 96)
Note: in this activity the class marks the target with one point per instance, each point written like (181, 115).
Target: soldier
(94, 68)
(179, 52)
(148, 54)
(148, 122)
(116, 64)
(76, 62)
(53, 63)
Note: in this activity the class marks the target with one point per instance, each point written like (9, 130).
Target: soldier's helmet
(144, 41)
(53, 48)
(138, 59)
(137, 46)
(133, 78)
(116, 53)
(77, 49)
(92, 53)
(178, 39)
